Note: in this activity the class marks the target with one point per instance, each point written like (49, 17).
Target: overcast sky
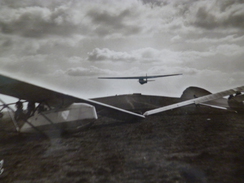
(67, 44)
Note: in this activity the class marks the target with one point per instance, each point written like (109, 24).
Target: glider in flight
(141, 79)
(48, 109)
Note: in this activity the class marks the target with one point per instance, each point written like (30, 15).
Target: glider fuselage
(64, 108)
(73, 117)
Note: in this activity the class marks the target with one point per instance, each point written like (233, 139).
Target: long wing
(30, 92)
(159, 76)
(195, 100)
(221, 103)
(139, 77)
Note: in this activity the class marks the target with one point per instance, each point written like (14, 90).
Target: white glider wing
(221, 103)
(199, 100)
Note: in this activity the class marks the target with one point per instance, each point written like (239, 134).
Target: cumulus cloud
(37, 21)
(77, 71)
(176, 38)
(218, 40)
(29, 65)
(80, 71)
(115, 19)
(107, 55)
(148, 55)
(111, 22)
(74, 39)
(218, 14)
(229, 49)
(67, 18)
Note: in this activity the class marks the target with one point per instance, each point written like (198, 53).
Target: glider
(234, 102)
(53, 108)
(48, 109)
(141, 79)
(149, 104)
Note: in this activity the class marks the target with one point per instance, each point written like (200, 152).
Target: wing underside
(31, 92)
(221, 103)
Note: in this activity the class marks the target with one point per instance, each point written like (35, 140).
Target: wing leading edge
(31, 92)
(199, 100)
(139, 77)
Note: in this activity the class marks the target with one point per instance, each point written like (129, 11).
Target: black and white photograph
(121, 91)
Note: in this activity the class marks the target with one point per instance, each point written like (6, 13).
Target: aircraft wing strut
(199, 100)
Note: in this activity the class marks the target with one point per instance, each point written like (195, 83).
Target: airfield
(191, 144)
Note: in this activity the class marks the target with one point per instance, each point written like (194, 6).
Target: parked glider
(48, 109)
(141, 79)
(234, 102)
(149, 104)
(53, 108)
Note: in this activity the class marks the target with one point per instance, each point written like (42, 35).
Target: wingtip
(146, 114)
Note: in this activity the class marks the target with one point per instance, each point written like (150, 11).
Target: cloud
(80, 71)
(229, 49)
(32, 65)
(108, 55)
(76, 39)
(219, 40)
(37, 21)
(176, 38)
(144, 54)
(111, 19)
(110, 22)
(150, 57)
(217, 14)
(67, 18)
(77, 71)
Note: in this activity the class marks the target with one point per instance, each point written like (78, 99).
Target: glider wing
(200, 100)
(34, 93)
(139, 77)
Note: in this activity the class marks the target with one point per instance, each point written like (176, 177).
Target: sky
(67, 44)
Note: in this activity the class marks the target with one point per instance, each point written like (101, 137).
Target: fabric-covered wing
(159, 76)
(30, 92)
(221, 103)
(26, 91)
(195, 100)
(139, 77)
(133, 77)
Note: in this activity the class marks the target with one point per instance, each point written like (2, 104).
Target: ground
(194, 144)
